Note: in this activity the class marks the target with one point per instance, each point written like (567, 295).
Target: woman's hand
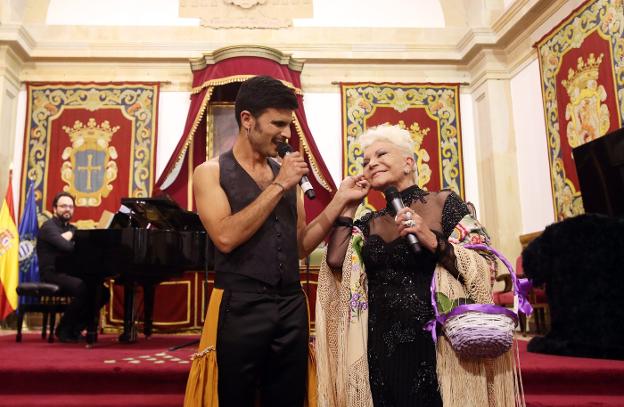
(409, 221)
(353, 189)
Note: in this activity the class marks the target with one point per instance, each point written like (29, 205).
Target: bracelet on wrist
(279, 185)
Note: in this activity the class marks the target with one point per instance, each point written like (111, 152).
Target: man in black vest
(253, 211)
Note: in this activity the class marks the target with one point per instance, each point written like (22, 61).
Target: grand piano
(149, 240)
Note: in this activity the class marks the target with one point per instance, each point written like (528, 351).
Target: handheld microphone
(393, 198)
(284, 149)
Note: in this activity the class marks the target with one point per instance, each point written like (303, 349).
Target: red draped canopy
(224, 68)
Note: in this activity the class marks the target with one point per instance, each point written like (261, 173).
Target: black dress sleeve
(364, 223)
(453, 211)
(339, 239)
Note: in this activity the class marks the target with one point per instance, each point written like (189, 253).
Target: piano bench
(44, 298)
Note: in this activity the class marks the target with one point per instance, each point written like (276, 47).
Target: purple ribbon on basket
(521, 288)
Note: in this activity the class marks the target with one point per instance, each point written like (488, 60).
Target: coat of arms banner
(582, 74)
(95, 141)
(430, 112)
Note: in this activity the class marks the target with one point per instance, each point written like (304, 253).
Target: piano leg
(148, 303)
(93, 317)
(99, 298)
(129, 334)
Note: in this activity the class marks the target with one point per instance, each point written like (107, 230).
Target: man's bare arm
(227, 230)
(311, 235)
(352, 190)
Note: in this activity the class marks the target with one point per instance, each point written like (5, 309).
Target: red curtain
(190, 151)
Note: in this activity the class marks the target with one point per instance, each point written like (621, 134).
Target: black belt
(237, 282)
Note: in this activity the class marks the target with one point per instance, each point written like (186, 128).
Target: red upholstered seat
(540, 295)
(503, 298)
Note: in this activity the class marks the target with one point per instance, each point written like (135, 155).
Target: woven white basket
(476, 334)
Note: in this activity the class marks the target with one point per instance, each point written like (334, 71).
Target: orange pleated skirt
(202, 383)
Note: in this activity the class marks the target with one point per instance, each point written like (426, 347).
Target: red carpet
(36, 373)
(566, 381)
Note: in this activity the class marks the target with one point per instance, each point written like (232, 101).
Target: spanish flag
(9, 245)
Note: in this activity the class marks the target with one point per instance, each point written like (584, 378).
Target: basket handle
(521, 286)
(521, 289)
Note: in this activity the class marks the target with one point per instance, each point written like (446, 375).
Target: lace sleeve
(469, 230)
(339, 239)
(364, 223)
(453, 211)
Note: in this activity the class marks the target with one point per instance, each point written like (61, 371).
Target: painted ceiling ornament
(587, 117)
(246, 13)
(245, 3)
(89, 165)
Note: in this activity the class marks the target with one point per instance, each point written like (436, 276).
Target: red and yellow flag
(9, 267)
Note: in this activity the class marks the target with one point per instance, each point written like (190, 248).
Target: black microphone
(393, 198)
(284, 149)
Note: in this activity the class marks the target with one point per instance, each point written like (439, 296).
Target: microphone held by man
(284, 149)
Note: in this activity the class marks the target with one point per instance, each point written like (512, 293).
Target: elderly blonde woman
(374, 300)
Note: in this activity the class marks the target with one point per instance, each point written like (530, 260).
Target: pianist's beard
(65, 215)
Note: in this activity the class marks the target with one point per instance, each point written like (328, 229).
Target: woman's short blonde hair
(390, 133)
(394, 135)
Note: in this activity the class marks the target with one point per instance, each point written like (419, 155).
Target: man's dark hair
(263, 92)
(60, 195)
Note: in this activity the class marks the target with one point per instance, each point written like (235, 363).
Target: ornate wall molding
(246, 13)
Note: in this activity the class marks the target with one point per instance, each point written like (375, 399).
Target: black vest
(271, 254)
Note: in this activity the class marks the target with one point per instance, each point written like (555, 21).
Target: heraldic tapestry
(431, 114)
(95, 141)
(582, 73)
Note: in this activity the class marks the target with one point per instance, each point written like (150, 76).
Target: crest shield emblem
(588, 117)
(89, 165)
(89, 170)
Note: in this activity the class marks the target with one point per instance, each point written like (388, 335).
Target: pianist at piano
(55, 240)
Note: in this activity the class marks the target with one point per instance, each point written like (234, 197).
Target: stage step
(588, 379)
(36, 373)
(561, 381)
(92, 400)
(576, 400)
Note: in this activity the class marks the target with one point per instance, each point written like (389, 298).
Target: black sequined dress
(401, 354)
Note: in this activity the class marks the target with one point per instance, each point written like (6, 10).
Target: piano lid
(160, 213)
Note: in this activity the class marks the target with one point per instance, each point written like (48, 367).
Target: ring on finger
(409, 223)
(408, 215)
